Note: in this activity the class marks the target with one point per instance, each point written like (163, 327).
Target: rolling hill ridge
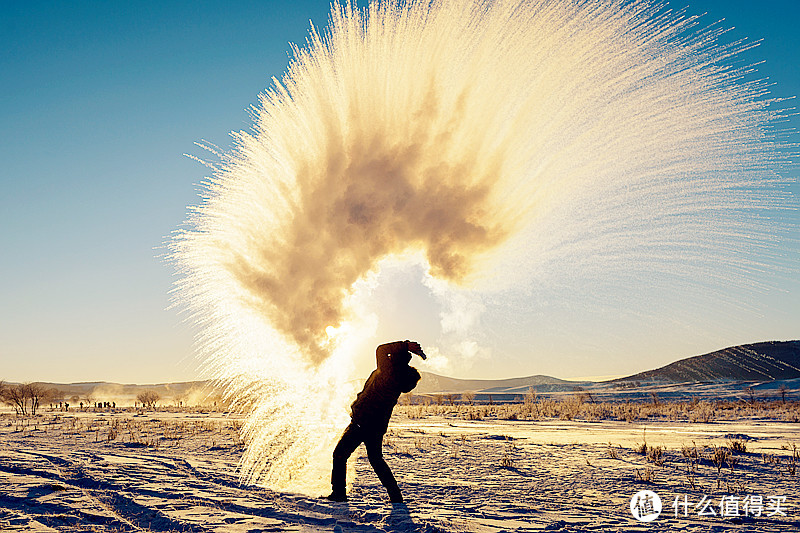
(761, 361)
(757, 362)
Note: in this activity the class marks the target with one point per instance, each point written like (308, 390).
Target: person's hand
(414, 347)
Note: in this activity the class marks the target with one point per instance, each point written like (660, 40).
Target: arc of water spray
(499, 139)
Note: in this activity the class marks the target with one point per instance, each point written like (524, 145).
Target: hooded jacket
(373, 406)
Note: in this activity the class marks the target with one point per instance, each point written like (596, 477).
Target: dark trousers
(373, 440)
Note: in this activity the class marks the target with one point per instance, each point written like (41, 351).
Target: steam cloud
(499, 139)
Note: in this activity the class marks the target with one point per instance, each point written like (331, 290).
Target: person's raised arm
(414, 347)
(383, 352)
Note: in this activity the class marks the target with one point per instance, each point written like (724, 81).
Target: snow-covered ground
(167, 471)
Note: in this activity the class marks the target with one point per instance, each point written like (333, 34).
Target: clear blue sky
(98, 103)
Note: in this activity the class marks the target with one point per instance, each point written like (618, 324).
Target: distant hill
(762, 361)
(758, 362)
(191, 391)
(124, 394)
(431, 383)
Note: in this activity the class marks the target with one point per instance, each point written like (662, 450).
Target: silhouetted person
(371, 413)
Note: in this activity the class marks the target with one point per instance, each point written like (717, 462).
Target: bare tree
(530, 395)
(654, 396)
(582, 395)
(3, 389)
(782, 390)
(751, 393)
(468, 397)
(17, 397)
(37, 395)
(148, 398)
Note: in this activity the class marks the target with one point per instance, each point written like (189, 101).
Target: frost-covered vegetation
(582, 407)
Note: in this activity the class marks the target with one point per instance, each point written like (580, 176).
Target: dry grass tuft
(575, 407)
(612, 452)
(645, 475)
(655, 454)
(737, 445)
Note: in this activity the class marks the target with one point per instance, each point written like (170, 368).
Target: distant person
(370, 416)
